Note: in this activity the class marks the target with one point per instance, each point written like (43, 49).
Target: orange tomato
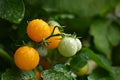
(37, 30)
(54, 41)
(26, 58)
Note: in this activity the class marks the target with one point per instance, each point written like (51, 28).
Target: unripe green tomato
(79, 44)
(82, 71)
(67, 47)
(42, 51)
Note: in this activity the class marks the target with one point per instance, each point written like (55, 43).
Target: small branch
(6, 56)
(53, 30)
(44, 41)
(53, 36)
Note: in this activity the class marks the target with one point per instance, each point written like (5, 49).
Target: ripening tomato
(82, 71)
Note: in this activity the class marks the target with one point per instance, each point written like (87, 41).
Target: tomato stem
(53, 30)
(53, 36)
(44, 41)
(6, 56)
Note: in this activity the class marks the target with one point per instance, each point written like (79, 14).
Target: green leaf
(99, 31)
(99, 74)
(105, 35)
(12, 10)
(18, 75)
(54, 75)
(100, 61)
(57, 73)
(83, 8)
(113, 35)
(6, 56)
(116, 73)
(60, 68)
(78, 62)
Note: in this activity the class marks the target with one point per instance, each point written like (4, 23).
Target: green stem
(53, 30)
(53, 36)
(5, 55)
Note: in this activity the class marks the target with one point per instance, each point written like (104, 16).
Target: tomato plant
(59, 40)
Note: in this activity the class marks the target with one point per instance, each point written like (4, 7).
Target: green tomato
(82, 71)
(79, 44)
(42, 51)
(67, 47)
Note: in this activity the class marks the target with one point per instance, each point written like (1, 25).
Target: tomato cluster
(47, 36)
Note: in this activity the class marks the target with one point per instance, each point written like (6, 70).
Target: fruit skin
(79, 44)
(26, 58)
(38, 29)
(55, 40)
(67, 47)
(82, 71)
